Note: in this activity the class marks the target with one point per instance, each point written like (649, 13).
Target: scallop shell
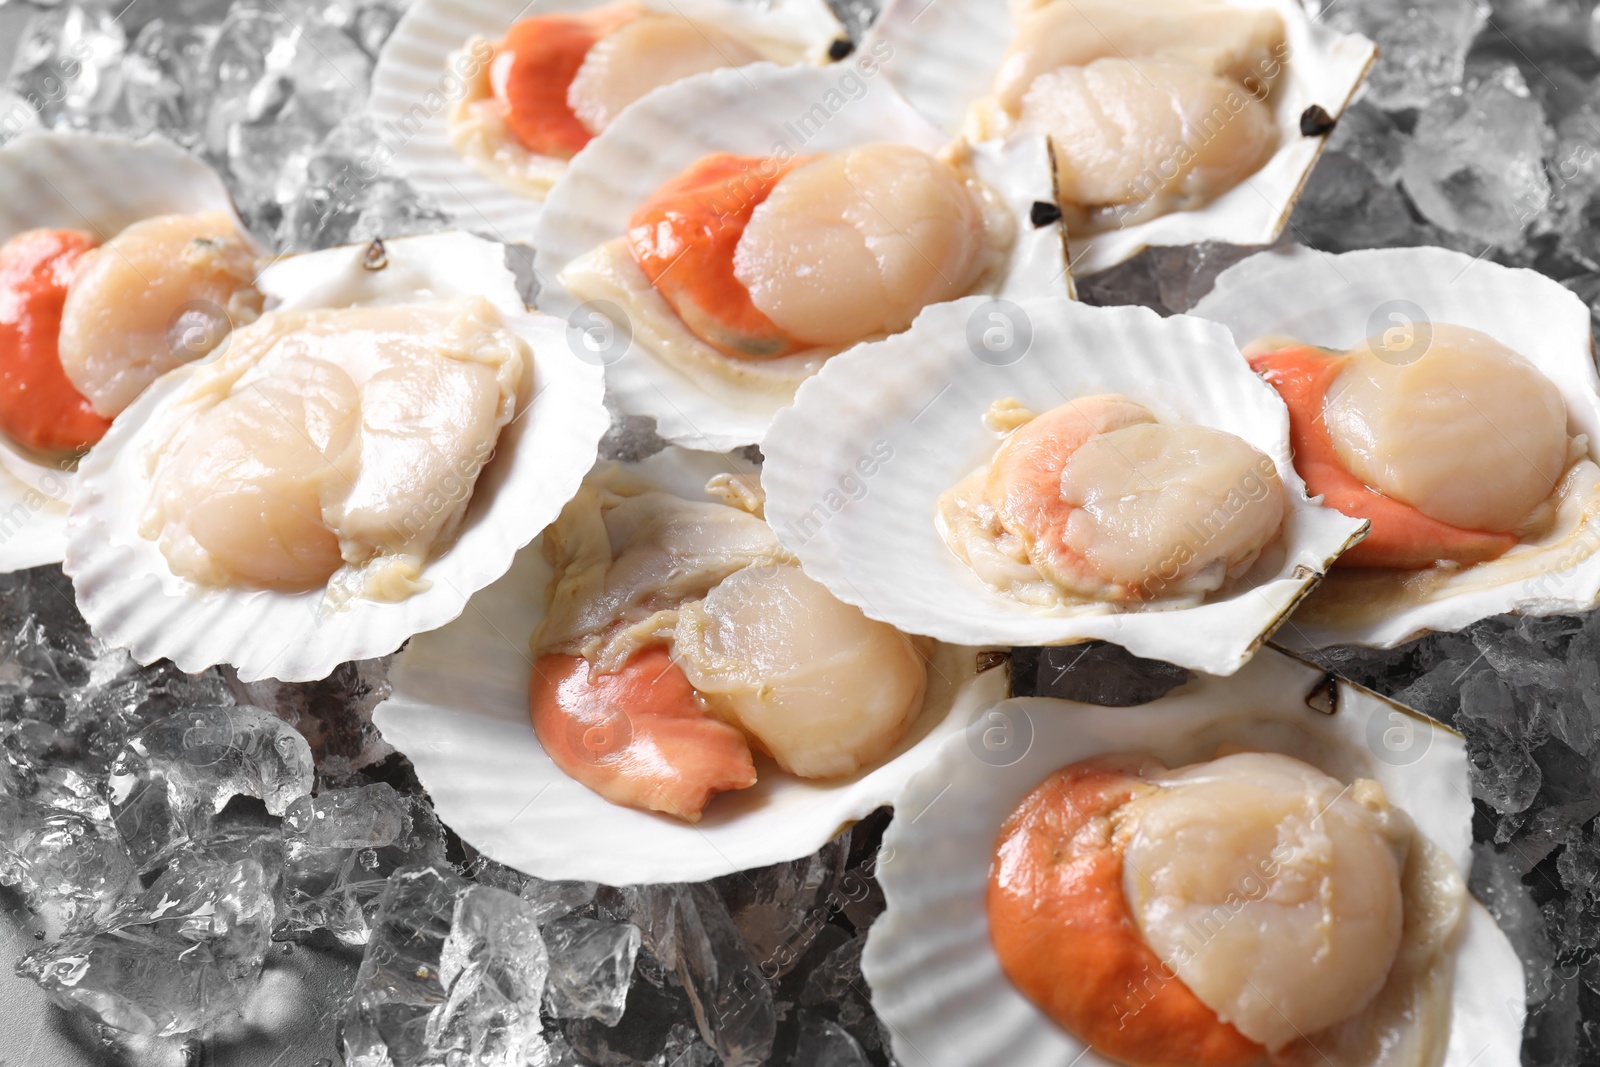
(103, 184)
(757, 111)
(1340, 300)
(936, 981)
(131, 598)
(944, 56)
(459, 711)
(921, 396)
(414, 87)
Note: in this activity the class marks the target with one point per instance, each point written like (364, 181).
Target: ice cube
(175, 775)
(1098, 672)
(453, 972)
(1504, 773)
(164, 68)
(1422, 45)
(836, 990)
(552, 900)
(1185, 273)
(178, 956)
(824, 1043)
(341, 846)
(779, 909)
(591, 967)
(68, 65)
(1345, 206)
(732, 1002)
(1475, 163)
(1130, 282)
(70, 870)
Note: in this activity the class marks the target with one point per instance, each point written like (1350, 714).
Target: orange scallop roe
(1401, 537)
(639, 737)
(684, 238)
(39, 408)
(533, 68)
(1064, 933)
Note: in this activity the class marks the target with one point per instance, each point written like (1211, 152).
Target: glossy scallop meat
(1452, 422)
(1164, 129)
(817, 684)
(162, 293)
(729, 647)
(1242, 43)
(1308, 869)
(1109, 504)
(853, 244)
(332, 438)
(645, 53)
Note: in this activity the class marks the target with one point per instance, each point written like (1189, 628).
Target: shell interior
(945, 55)
(760, 110)
(103, 184)
(459, 710)
(129, 594)
(920, 397)
(1339, 300)
(936, 981)
(418, 78)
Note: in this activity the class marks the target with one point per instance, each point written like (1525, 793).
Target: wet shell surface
(131, 597)
(913, 405)
(1336, 301)
(936, 980)
(459, 711)
(945, 56)
(767, 111)
(102, 184)
(425, 67)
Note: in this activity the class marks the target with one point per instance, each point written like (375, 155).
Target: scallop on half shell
(437, 60)
(862, 469)
(460, 711)
(1340, 301)
(937, 979)
(701, 397)
(946, 58)
(99, 184)
(474, 512)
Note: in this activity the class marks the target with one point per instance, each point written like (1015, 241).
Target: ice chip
(591, 967)
(823, 1043)
(552, 900)
(70, 870)
(732, 1002)
(453, 972)
(174, 776)
(340, 847)
(68, 65)
(163, 79)
(1422, 46)
(176, 957)
(1475, 163)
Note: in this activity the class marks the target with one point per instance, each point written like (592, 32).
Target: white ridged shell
(750, 111)
(924, 392)
(459, 711)
(103, 184)
(412, 97)
(936, 981)
(1332, 301)
(946, 52)
(131, 598)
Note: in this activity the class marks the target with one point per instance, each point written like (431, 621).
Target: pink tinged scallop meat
(854, 244)
(646, 53)
(1275, 892)
(1452, 422)
(162, 293)
(1111, 505)
(1242, 43)
(332, 438)
(813, 681)
(1159, 128)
